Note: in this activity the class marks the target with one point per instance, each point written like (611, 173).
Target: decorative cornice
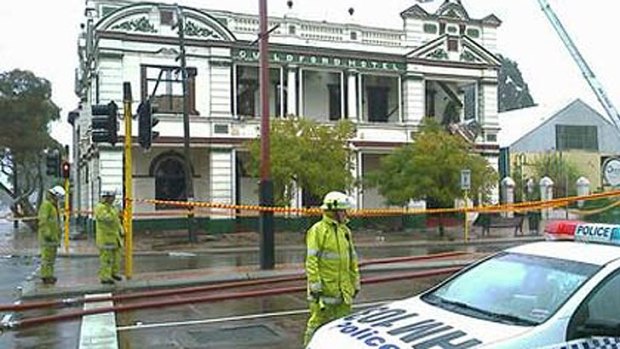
(439, 53)
(192, 29)
(141, 24)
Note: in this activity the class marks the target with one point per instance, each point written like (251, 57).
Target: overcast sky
(40, 35)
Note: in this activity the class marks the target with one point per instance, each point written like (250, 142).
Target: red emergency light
(583, 231)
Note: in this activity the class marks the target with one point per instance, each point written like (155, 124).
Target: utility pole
(189, 178)
(267, 258)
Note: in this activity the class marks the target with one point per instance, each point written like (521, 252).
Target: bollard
(546, 194)
(583, 188)
(508, 194)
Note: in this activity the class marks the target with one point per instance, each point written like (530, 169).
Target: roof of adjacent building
(516, 125)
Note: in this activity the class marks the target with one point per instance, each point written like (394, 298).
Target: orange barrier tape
(216, 208)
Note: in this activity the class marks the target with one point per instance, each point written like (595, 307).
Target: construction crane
(588, 74)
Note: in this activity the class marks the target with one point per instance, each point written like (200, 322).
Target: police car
(531, 296)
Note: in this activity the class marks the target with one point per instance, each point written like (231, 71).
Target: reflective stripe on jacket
(108, 226)
(48, 223)
(331, 261)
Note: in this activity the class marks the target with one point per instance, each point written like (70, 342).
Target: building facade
(575, 131)
(441, 64)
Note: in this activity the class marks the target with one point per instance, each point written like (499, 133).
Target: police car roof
(592, 253)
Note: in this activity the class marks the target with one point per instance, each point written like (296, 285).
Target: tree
(429, 169)
(513, 92)
(26, 111)
(312, 156)
(563, 173)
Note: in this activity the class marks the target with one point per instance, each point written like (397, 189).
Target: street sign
(465, 179)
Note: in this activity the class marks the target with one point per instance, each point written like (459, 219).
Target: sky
(41, 36)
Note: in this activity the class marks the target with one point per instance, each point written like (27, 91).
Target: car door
(599, 313)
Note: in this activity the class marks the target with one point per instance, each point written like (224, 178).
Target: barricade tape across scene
(208, 208)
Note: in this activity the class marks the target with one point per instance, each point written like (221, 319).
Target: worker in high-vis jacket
(49, 223)
(108, 238)
(331, 264)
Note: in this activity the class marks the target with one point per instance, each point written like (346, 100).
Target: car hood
(412, 323)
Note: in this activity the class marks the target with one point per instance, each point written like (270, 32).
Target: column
(352, 95)
(414, 94)
(291, 88)
(221, 171)
(356, 171)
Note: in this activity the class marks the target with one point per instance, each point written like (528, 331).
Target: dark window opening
(170, 181)
(576, 137)
(166, 17)
(353, 35)
(335, 106)
(453, 44)
(430, 102)
(281, 98)
(378, 104)
(291, 29)
(462, 29)
(246, 104)
(442, 28)
(165, 83)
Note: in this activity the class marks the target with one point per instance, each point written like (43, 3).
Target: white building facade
(440, 65)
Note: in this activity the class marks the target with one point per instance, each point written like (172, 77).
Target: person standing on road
(108, 238)
(49, 223)
(331, 264)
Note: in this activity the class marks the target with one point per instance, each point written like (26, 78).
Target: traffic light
(146, 122)
(52, 163)
(66, 169)
(105, 123)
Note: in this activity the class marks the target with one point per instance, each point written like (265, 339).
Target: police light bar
(583, 231)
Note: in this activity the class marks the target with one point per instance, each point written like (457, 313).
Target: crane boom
(588, 74)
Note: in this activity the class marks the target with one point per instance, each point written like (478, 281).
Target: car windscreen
(513, 288)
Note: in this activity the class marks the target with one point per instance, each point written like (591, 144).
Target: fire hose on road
(20, 324)
(206, 288)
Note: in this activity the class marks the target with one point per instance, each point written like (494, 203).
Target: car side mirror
(599, 328)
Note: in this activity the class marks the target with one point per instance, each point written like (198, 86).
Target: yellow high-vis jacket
(331, 262)
(108, 226)
(48, 224)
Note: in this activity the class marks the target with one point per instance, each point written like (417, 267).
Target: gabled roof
(471, 51)
(517, 124)
(452, 10)
(415, 11)
(492, 20)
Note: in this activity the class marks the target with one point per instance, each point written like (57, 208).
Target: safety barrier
(210, 208)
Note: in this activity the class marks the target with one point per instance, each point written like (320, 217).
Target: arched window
(169, 175)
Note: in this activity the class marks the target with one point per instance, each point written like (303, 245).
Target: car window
(599, 314)
(513, 288)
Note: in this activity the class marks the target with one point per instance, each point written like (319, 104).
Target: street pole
(189, 178)
(128, 181)
(466, 218)
(267, 257)
(67, 215)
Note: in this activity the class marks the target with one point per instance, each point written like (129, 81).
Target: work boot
(49, 280)
(117, 277)
(107, 282)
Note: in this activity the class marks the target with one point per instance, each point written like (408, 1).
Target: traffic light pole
(67, 215)
(189, 178)
(128, 181)
(267, 255)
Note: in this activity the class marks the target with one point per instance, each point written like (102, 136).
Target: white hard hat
(108, 193)
(336, 200)
(57, 191)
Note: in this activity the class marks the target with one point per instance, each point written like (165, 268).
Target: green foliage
(513, 92)
(314, 156)
(430, 169)
(608, 214)
(563, 173)
(26, 110)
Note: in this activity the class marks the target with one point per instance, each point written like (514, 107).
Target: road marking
(142, 326)
(98, 330)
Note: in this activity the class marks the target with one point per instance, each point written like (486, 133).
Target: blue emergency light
(583, 231)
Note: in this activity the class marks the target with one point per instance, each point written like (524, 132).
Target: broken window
(165, 84)
(380, 98)
(248, 93)
(322, 95)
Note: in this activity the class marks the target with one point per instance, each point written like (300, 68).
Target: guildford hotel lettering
(318, 60)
